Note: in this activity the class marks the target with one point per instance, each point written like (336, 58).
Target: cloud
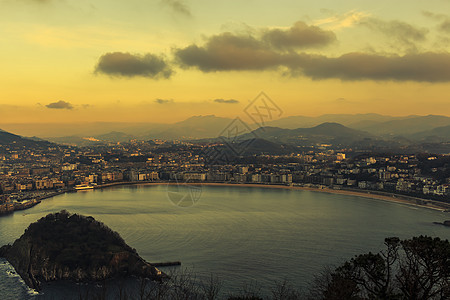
(421, 67)
(339, 21)
(274, 49)
(60, 105)
(300, 35)
(164, 101)
(228, 101)
(401, 32)
(433, 15)
(178, 6)
(131, 65)
(268, 48)
(229, 52)
(444, 26)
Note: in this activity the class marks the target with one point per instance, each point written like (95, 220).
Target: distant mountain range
(197, 127)
(372, 123)
(298, 130)
(350, 120)
(437, 134)
(333, 133)
(406, 127)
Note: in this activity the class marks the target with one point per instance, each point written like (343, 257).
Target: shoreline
(7, 209)
(377, 195)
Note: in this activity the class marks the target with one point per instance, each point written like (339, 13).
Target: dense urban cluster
(29, 174)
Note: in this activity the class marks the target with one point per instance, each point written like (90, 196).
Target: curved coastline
(384, 196)
(377, 195)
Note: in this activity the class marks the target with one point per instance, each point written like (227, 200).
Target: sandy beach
(396, 198)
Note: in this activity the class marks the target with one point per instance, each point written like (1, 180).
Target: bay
(241, 234)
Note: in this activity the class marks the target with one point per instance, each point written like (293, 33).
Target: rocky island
(64, 246)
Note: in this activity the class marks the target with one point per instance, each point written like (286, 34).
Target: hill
(294, 122)
(8, 138)
(438, 134)
(334, 130)
(258, 146)
(324, 133)
(63, 246)
(406, 126)
(115, 136)
(11, 139)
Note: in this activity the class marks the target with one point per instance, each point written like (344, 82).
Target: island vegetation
(64, 246)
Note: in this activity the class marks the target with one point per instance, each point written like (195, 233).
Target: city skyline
(164, 61)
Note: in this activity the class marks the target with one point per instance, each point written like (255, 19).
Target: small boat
(83, 187)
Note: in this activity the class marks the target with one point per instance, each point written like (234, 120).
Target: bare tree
(211, 289)
(283, 290)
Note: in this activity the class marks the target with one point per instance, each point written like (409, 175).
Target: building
(194, 176)
(43, 184)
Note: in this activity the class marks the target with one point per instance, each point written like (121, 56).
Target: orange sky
(163, 61)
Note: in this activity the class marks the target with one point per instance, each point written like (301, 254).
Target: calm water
(242, 234)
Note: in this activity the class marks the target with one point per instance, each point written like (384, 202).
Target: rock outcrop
(445, 223)
(64, 246)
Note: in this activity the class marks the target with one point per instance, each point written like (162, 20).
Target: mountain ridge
(211, 126)
(325, 132)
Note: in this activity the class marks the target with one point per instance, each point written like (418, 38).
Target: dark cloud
(163, 101)
(445, 26)
(226, 101)
(432, 15)
(230, 52)
(422, 67)
(275, 49)
(400, 32)
(178, 6)
(60, 105)
(227, 52)
(131, 65)
(300, 35)
(444, 19)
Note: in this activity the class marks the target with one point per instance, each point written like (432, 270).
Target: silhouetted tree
(284, 291)
(418, 268)
(424, 271)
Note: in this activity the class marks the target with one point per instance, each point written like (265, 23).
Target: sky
(162, 61)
